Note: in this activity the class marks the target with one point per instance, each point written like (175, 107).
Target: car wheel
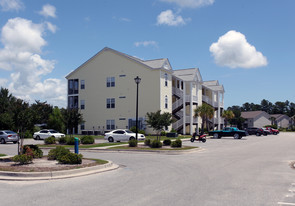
(236, 136)
(275, 133)
(111, 139)
(265, 134)
(131, 138)
(37, 137)
(215, 136)
(258, 134)
(14, 142)
(3, 141)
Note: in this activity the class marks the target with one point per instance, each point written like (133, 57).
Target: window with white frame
(82, 84)
(110, 81)
(82, 104)
(110, 124)
(110, 103)
(82, 126)
(166, 102)
(166, 79)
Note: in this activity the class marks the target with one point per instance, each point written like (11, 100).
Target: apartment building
(104, 90)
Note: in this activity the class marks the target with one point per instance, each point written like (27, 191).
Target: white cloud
(146, 43)
(232, 50)
(10, 5)
(190, 3)
(23, 42)
(48, 11)
(169, 18)
(51, 27)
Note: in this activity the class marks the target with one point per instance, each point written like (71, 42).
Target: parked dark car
(228, 132)
(8, 136)
(256, 131)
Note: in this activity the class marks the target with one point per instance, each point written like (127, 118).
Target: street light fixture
(137, 81)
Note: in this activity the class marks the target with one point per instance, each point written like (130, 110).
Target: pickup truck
(228, 132)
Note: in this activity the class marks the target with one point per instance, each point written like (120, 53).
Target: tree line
(18, 115)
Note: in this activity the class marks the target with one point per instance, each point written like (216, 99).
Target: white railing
(178, 123)
(177, 104)
(177, 92)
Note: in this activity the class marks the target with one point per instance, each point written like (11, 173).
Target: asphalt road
(252, 171)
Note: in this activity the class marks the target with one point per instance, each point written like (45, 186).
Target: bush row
(69, 140)
(28, 153)
(64, 156)
(158, 144)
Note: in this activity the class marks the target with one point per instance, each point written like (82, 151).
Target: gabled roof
(188, 74)
(252, 114)
(151, 64)
(213, 85)
(279, 117)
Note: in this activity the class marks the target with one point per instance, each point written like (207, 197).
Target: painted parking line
(286, 203)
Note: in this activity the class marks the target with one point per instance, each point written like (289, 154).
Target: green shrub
(71, 141)
(50, 140)
(147, 142)
(167, 142)
(71, 158)
(22, 159)
(163, 133)
(87, 139)
(156, 144)
(173, 130)
(176, 143)
(57, 153)
(37, 152)
(132, 143)
(62, 140)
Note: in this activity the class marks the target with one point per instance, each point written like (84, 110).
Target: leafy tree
(42, 111)
(237, 120)
(72, 118)
(227, 115)
(206, 112)
(56, 120)
(158, 121)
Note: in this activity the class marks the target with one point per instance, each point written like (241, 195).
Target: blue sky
(247, 45)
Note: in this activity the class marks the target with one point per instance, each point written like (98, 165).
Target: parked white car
(122, 135)
(45, 133)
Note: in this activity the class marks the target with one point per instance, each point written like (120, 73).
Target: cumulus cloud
(169, 18)
(190, 3)
(48, 11)
(146, 43)
(11, 5)
(232, 50)
(21, 55)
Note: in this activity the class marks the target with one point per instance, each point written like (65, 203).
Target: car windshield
(128, 131)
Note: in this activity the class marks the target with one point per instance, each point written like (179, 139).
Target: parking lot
(250, 171)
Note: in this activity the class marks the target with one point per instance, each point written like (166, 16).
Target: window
(82, 104)
(82, 84)
(166, 79)
(110, 81)
(166, 102)
(111, 103)
(110, 124)
(73, 86)
(82, 127)
(73, 102)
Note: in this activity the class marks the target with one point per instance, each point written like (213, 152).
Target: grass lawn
(3, 155)
(82, 146)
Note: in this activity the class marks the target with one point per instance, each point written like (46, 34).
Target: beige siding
(110, 64)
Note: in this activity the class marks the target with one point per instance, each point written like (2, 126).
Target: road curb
(51, 175)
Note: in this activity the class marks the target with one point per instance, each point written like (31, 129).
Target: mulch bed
(42, 165)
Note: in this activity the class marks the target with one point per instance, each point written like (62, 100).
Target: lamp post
(137, 81)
